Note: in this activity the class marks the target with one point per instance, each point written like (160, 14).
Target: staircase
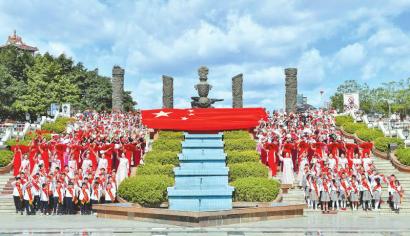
(6, 198)
(201, 181)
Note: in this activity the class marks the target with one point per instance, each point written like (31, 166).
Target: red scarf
(73, 195)
(354, 187)
(60, 197)
(110, 193)
(30, 196)
(35, 185)
(366, 185)
(344, 185)
(377, 187)
(95, 192)
(19, 190)
(45, 191)
(316, 190)
(326, 187)
(85, 199)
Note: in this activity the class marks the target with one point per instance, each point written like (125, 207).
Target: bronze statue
(203, 90)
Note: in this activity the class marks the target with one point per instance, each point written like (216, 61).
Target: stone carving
(167, 91)
(237, 91)
(203, 89)
(291, 85)
(117, 89)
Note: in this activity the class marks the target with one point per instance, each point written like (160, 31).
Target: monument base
(128, 211)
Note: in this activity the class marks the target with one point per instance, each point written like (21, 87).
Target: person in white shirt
(70, 198)
(110, 193)
(58, 200)
(25, 165)
(44, 199)
(123, 169)
(102, 164)
(18, 195)
(72, 167)
(29, 199)
(84, 198)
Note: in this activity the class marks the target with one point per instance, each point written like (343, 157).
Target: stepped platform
(128, 211)
(201, 181)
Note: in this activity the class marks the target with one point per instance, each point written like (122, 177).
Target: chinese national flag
(203, 119)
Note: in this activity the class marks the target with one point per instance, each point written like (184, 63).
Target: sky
(328, 41)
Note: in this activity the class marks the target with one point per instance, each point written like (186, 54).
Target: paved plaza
(342, 224)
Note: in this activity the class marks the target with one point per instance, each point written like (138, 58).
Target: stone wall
(117, 89)
(291, 85)
(237, 91)
(167, 92)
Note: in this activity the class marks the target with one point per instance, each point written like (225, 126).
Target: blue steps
(201, 181)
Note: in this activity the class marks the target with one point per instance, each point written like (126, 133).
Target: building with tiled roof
(16, 41)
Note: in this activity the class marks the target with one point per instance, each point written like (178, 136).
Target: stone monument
(167, 92)
(237, 91)
(203, 90)
(117, 89)
(291, 85)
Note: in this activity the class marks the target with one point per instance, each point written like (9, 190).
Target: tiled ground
(311, 225)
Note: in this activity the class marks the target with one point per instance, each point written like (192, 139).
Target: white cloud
(351, 55)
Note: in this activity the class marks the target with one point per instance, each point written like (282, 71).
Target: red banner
(211, 119)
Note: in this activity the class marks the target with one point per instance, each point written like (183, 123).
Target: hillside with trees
(30, 84)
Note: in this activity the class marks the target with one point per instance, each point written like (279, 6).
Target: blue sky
(328, 41)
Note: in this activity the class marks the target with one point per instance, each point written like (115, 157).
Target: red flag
(212, 119)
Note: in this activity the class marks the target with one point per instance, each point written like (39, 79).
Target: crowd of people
(333, 174)
(84, 166)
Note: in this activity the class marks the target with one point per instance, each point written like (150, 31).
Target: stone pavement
(312, 225)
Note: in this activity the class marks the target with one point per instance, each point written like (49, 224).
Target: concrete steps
(7, 204)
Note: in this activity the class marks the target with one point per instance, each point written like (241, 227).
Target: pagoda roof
(15, 40)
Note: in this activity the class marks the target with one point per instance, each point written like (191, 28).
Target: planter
(380, 154)
(396, 163)
(7, 169)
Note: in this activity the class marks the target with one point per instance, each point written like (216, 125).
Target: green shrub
(59, 126)
(156, 169)
(171, 135)
(352, 127)
(146, 190)
(167, 145)
(369, 135)
(236, 134)
(12, 142)
(403, 155)
(6, 157)
(341, 120)
(240, 144)
(247, 169)
(255, 189)
(161, 157)
(382, 143)
(242, 156)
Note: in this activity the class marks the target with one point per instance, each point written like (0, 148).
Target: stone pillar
(291, 85)
(237, 91)
(167, 92)
(117, 89)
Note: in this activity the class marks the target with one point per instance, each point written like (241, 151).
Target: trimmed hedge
(59, 126)
(171, 135)
(161, 157)
(353, 127)
(156, 169)
(247, 169)
(240, 144)
(12, 142)
(167, 145)
(403, 155)
(6, 157)
(341, 120)
(236, 134)
(242, 156)
(382, 143)
(255, 189)
(368, 135)
(146, 190)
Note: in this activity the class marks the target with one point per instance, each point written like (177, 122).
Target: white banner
(65, 109)
(351, 102)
